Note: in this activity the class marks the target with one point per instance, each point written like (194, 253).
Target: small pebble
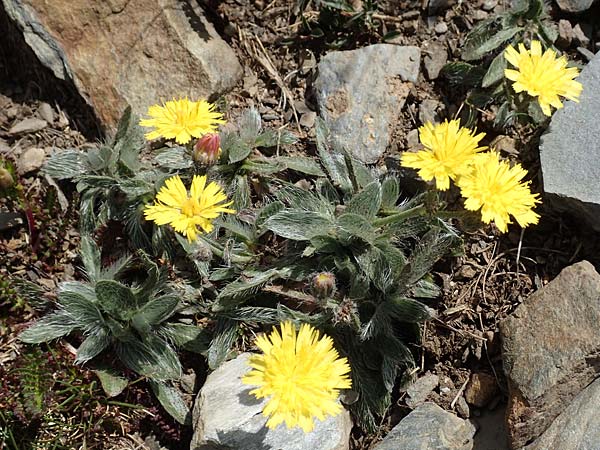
(441, 28)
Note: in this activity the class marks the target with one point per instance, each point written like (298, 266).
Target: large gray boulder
(550, 350)
(429, 427)
(360, 94)
(121, 52)
(227, 417)
(577, 427)
(570, 152)
(574, 6)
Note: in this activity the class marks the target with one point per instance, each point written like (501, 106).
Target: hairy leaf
(154, 312)
(170, 398)
(333, 162)
(390, 192)
(152, 358)
(495, 72)
(92, 346)
(477, 47)
(245, 286)
(174, 158)
(301, 164)
(115, 298)
(52, 326)
(66, 164)
(225, 336)
(298, 225)
(112, 383)
(366, 202)
(190, 337)
(90, 256)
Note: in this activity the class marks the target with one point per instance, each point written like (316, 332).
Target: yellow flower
(185, 213)
(495, 188)
(301, 373)
(448, 151)
(181, 119)
(542, 75)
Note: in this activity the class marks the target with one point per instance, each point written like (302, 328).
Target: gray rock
(128, 52)
(227, 417)
(46, 112)
(435, 58)
(360, 94)
(550, 346)
(441, 28)
(429, 111)
(574, 6)
(569, 153)
(577, 427)
(565, 33)
(31, 159)
(429, 427)
(420, 389)
(28, 125)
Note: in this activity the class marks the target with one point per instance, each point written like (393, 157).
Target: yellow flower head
(181, 119)
(448, 151)
(542, 75)
(186, 212)
(495, 188)
(301, 373)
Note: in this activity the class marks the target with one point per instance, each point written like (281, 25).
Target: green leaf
(152, 358)
(351, 226)
(123, 125)
(237, 151)
(90, 256)
(495, 72)
(298, 225)
(92, 346)
(273, 138)
(407, 310)
(478, 48)
(366, 202)
(301, 164)
(66, 164)
(175, 158)
(170, 399)
(463, 74)
(548, 31)
(390, 192)
(111, 382)
(52, 326)
(115, 298)
(249, 125)
(333, 162)
(242, 194)
(190, 337)
(83, 310)
(247, 285)
(225, 336)
(304, 199)
(154, 312)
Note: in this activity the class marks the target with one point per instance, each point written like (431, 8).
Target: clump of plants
(499, 69)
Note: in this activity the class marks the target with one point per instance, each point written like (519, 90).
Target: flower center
(190, 207)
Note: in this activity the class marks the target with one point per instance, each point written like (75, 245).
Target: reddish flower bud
(207, 149)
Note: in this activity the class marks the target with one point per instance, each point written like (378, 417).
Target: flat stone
(31, 159)
(227, 417)
(46, 112)
(120, 52)
(28, 125)
(550, 347)
(429, 427)
(570, 153)
(481, 389)
(435, 58)
(360, 94)
(574, 6)
(420, 389)
(577, 427)
(429, 111)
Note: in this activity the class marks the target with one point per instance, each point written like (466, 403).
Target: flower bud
(324, 284)
(207, 149)
(6, 179)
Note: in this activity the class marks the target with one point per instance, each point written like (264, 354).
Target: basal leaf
(52, 326)
(170, 398)
(495, 72)
(112, 383)
(298, 225)
(115, 298)
(476, 49)
(366, 202)
(92, 346)
(152, 358)
(90, 256)
(154, 312)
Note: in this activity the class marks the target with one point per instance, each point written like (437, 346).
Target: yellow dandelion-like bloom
(186, 212)
(448, 150)
(495, 188)
(182, 119)
(542, 75)
(302, 374)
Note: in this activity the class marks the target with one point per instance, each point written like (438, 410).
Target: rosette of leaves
(136, 323)
(482, 68)
(379, 248)
(113, 181)
(247, 154)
